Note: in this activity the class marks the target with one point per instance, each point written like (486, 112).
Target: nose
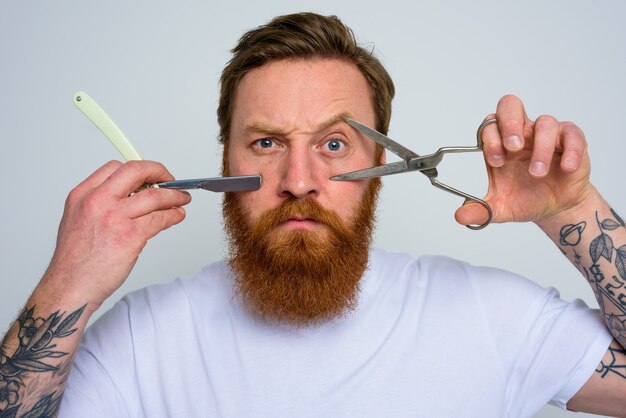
(299, 176)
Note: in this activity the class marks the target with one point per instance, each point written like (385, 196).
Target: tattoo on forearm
(609, 289)
(28, 351)
(616, 365)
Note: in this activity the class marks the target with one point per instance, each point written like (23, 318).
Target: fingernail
(513, 142)
(538, 168)
(496, 160)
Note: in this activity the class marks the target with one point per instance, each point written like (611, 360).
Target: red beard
(299, 277)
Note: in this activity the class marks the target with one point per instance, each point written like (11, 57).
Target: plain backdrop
(154, 66)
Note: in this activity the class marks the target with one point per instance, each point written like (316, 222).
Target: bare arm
(593, 238)
(103, 230)
(37, 354)
(539, 172)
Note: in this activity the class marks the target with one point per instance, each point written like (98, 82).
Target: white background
(154, 66)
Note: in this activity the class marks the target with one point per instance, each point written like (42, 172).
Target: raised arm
(104, 228)
(539, 172)
(592, 236)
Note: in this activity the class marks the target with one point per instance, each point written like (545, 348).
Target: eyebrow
(260, 127)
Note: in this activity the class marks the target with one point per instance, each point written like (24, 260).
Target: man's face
(299, 245)
(286, 126)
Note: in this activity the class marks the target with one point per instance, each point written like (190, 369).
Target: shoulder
(445, 271)
(211, 279)
(496, 295)
(168, 304)
(390, 262)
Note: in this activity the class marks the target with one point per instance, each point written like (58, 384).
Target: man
(304, 318)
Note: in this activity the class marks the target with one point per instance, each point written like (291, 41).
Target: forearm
(593, 237)
(102, 232)
(38, 351)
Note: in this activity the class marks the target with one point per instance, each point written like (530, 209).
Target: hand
(105, 227)
(536, 168)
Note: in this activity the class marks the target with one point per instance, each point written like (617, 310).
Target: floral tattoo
(29, 349)
(609, 289)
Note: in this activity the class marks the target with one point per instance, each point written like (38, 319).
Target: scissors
(426, 164)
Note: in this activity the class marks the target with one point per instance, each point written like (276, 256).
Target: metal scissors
(426, 164)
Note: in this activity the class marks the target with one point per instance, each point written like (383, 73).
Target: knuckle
(73, 197)
(492, 147)
(159, 165)
(511, 125)
(170, 218)
(546, 120)
(163, 219)
(91, 205)
(571, 127)
(114, 164)
(152, 193)
(133, 165)
(154, 224)
(164, 172)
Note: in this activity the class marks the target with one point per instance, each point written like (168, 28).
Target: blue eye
(335, 145)
(265, 143)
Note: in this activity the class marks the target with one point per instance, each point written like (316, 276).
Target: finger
(100, 175)
(512, 120)
(157, 221)
(152, 199)
(574, 146)
(94, 180)
(492, 144)
(133, 174)
(546, 135)
(471, 214)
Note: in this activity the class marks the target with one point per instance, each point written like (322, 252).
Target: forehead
(300, 94)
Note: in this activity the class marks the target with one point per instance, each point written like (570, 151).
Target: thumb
(472, 214)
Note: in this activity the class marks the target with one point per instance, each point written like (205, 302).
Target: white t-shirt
(432, 337)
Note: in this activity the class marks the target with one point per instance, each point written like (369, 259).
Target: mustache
(299, 277)
(307, 208)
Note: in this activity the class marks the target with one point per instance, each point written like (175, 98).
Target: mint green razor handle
(99, 117)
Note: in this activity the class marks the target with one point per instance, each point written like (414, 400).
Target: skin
(536, 168)
(286, 126)
(102, 232)
(539, 172)
(105, 228)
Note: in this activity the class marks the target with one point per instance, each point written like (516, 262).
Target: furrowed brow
(265, 129)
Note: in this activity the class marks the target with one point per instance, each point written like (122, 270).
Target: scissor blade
(383, 140)
(378, 171)
(216, 184)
